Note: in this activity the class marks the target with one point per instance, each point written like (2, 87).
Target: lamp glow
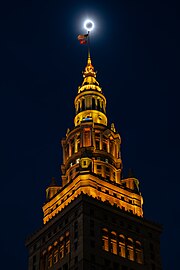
(88, 25)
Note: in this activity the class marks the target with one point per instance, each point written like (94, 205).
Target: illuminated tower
(94, 219)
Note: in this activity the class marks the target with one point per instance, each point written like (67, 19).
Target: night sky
(134, 50)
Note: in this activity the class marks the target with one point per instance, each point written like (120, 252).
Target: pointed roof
(89, 76)
(89, 69)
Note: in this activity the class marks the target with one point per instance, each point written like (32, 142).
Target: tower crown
(92, 156)
(90, 103)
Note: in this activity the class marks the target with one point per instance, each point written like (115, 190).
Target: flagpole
(88, 43)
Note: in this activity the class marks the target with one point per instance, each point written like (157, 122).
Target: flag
(82, 38)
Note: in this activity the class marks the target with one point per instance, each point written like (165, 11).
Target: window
(67, 243)
(56, 256)
(130, 249)
(122, 251)
(98, 167)
(50, 261)
(113, 243)
(139, 252)
(87, 137)
(61, 253)
(105, 239)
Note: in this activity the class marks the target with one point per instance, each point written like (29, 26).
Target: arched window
(122, 251)
(139, 252)
(50, 261)
(61, 252)
(55, 256)
(130, 249)
(67, 243)
(113, 243)
(87, 137)
(105, 239)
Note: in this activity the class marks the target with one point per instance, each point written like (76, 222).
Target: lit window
(68, 246)
(130, 249)
(139, 252)
(56, 256)
(61, 253)
(105, 239)
(50, 261)
(67, 243)
(122, 251)
(113, 243)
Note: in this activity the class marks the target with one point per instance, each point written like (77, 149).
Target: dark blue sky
(135, 51)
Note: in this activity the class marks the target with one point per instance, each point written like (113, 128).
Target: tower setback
(93, 219)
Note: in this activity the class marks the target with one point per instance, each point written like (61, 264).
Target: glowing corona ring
(88, 25)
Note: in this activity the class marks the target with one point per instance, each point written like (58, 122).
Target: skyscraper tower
(94, 219)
